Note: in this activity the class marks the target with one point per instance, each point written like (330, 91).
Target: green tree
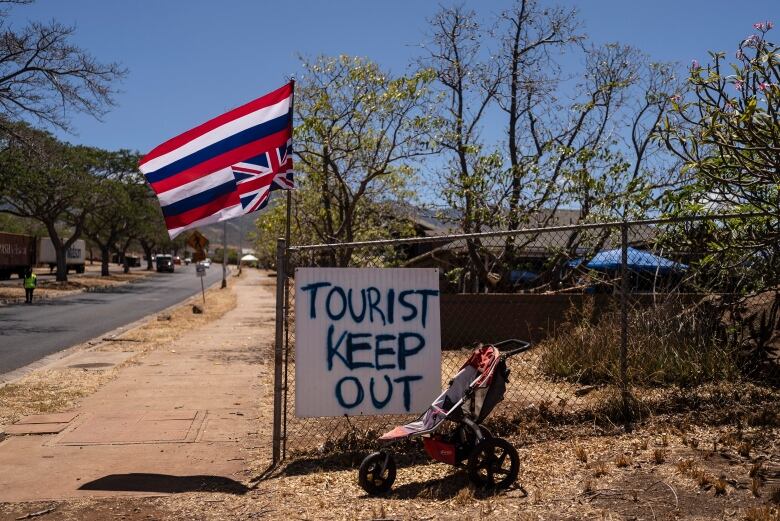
(118, 197)
(152, 235)
(726, 130)
(359, 133)
(50, 181)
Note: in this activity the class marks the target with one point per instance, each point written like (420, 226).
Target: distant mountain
(240, 226)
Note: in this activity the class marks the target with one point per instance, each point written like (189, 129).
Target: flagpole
(286, 260)
(288, 224)
(224, 254)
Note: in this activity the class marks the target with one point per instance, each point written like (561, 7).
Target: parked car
(177, 260)
(164, 263)
(187, 261)
(206, 262)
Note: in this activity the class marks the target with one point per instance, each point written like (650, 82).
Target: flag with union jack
(225, 167)
(257, 177)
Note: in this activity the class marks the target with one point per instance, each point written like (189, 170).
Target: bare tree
(468, 84)
(43, 74)
(529, 36)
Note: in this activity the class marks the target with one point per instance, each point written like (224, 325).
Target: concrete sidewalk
(186, 417)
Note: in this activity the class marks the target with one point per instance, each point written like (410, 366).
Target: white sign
(367, 341)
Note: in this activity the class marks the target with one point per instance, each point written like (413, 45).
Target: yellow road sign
(198, 241)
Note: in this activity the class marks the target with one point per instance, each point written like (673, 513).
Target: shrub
(667, 344)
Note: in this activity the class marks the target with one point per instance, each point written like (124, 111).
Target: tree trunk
(60, 251)
(62, 263)
(148, 253)
(105, 258)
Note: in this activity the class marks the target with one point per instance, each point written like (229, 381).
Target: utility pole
(240, 244)
(224, 254)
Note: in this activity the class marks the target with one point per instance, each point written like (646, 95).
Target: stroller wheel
(377, 473)
(494, 463)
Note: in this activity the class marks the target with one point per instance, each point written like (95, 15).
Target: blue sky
(191, 60)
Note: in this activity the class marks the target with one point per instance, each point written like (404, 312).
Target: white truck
(75, 257)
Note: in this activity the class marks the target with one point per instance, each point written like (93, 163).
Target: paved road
(31, 332)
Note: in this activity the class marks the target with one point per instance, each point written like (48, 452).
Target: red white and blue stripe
(257, 177)
(194, 174)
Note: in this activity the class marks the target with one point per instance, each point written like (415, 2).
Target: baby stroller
(474, 392)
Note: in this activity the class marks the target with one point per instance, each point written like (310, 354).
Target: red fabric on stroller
(483, 360)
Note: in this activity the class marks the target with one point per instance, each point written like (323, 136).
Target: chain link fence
(616, 311)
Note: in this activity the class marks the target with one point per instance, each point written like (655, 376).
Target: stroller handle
(522, 346)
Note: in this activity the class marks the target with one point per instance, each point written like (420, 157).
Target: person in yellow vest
(30, 283)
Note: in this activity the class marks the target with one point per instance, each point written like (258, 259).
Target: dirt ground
(653, 473)
(699, 460)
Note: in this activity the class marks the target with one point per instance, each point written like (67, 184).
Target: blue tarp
(638, 260)
(522, 276)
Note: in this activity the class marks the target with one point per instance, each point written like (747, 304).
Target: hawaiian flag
(207, 174)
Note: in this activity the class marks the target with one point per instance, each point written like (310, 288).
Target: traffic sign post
(200, 271)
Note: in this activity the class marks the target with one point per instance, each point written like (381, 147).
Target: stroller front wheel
(377, 473)
(494, 463)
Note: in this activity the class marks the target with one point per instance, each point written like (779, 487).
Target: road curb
(93, 343)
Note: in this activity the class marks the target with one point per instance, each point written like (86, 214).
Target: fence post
(624, 289)
(281, 283)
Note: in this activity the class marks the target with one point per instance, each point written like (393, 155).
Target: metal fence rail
(613, 308)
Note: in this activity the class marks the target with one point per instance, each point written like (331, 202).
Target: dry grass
(557, 486)
(755, 487)
(690, 469)
(57, 390)
(764, 513)
(720, 486)
(580, 453)
(686, 466)
(50, 391)
(669, 344)
(464, 496)
(702, 478)
(659, 456)
(623, 461)
(154, 331)
(599, 468)
(744, 449)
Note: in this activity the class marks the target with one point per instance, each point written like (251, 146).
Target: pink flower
(695, 65)
(759, 26)
(676, 98)
(751, 41)
(740, 55)
(769, 25)
(738, 84)
(764, 86)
